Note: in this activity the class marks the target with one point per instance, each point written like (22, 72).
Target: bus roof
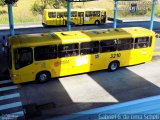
(66, 37)
(88, 9)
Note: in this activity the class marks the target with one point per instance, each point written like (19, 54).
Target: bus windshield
(10, 59)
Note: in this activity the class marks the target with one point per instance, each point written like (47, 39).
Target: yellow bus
(58, 17)
(44, 56)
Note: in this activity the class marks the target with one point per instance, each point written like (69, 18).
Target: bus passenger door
(80, 18)
(103, 17)
(60, 18)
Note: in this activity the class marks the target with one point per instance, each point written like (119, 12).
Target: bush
(2, 12)
(2, 3)
(37, 9)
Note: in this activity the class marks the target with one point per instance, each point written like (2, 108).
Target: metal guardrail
(136, 108)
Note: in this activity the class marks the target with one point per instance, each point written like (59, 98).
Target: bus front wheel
(113, 66)
(43, 77)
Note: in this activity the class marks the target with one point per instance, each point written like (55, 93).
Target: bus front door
(80, 18)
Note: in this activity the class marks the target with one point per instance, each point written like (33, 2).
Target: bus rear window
(142, 42)
(23, 57)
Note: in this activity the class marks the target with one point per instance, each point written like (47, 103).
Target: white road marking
(5, 97)
(5, 81)
(19, 114)
(10, 105)
(8, 88)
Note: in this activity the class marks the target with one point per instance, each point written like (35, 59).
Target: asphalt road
(37, 28)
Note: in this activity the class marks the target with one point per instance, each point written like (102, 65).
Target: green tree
(57, 3)
(37, 8)
(2, 2)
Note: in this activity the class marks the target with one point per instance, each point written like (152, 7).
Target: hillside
(21, 12)
(106, 4)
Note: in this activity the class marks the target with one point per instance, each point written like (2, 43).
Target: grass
(22, 11)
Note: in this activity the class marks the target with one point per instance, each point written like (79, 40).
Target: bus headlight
(12, 75)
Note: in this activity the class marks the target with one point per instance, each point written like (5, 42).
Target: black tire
(97, 22)
(113, 66)
(43, 77)
(44, 25)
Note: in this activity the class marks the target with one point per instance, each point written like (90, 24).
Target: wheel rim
(43, 77)
(97, 22)
(114, 66)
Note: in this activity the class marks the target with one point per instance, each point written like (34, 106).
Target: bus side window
(52, 14)
(65, 14)
(108, 46)
(68, 50)
(45, 52)
(80, 14)
(125, 44)
(88, 14)
(73, 14)
(23, 57)
(60, 14)
(89, 48)
(96, 13)
(142, 42)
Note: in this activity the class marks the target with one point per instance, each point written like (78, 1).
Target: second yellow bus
(58, 17)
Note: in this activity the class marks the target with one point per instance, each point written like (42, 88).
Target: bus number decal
(115, 55)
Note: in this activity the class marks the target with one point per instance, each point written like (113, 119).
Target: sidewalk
(33, 25)
(16, 26)
(134, 19)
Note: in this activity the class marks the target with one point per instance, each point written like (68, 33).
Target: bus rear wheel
(113, 66)
(97, 22)
(43, 77)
